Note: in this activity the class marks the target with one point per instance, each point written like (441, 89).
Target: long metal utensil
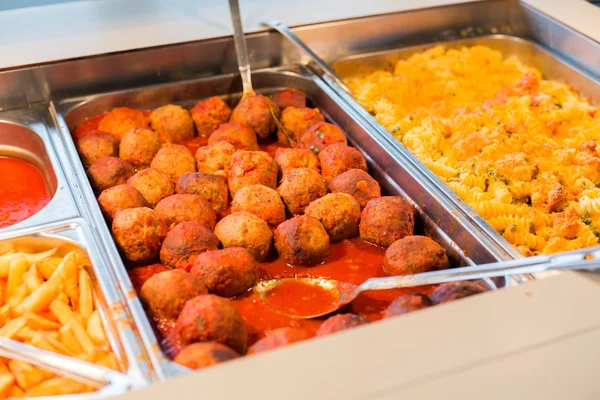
(345, 292)
(327, 72)
(78, 370)
(240, 49)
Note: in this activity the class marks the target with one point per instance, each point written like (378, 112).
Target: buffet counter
(451, 134)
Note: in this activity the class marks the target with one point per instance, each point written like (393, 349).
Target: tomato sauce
(353, 261)
(301, 299)
(23, 191)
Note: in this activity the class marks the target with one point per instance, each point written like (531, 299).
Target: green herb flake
(559, 105)
(585, 218)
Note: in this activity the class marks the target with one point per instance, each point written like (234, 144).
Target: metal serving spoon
(346, 292)
(326, 72)
(69, 367)
(241, 50)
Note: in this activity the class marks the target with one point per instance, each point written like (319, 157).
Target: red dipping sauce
(300, 299)
(23, 191)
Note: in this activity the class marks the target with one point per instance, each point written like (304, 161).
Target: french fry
(108, 360)
(48, 266)
(67, 317)
(38, 340)
(12, 327)
(33, 279)
(68, 339)
(55, 342)
(36, 321)
(46, 293)
(5, 314)
(16, 392)
(25, 334)
(55, 386)
(26, 374)
(4, 365)
(17, 268)
(3, 295)
(31, 258)
(95, 329)
(86, 297)
(6, 383)
(17, 296)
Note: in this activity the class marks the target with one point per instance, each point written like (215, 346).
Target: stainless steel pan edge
(103, 237)
(445, 193)
(115, 317)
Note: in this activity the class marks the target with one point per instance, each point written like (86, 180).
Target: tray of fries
(64, 327)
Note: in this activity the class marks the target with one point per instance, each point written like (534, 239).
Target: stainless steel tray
(26, 134)
(393, 177)
(552, 66)
(76, 235)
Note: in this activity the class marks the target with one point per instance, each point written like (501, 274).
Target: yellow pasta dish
(519, 149)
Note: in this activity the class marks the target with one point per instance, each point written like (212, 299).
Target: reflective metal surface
(75, 235)
(25, 134)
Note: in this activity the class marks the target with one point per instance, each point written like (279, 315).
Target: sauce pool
(23, 191)
(300, 299)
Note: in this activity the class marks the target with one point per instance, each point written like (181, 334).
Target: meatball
(289, 98)
(239, 135)
(185, 242)
(96, 145)
(257, 112)
(172, 123)
(212, 318)
(341, 322)
(413, 255)
(321, 135)
(242, 229)
(279, 337)
(209, 114)
(118, 198)
(228, 272)
(261, 201)
(299, 187)
(296, 121)
(385, 220)
(212, 187)
(108, 172)
(152, 184)
(139, 146)
(174, 160)
(201, 355)
(287, 159)
(338, 158)
(251, 168)
(138, 233)
(165, 293)
(357, 183)
(215, 158)
(455, 290)
(302, 241)
(121, 120)
(339, 213)
(186, 207)
(406, 304)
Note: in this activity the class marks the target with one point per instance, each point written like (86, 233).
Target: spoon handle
(574, 260)
(240, 48)
(69, 367)
(291, 36)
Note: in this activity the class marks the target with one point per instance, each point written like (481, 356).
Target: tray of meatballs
(205, 193)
